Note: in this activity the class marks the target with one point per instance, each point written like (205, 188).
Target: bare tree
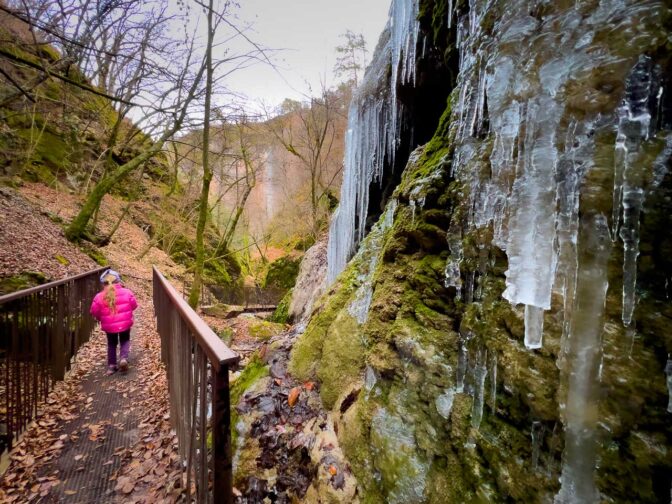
(308, 133)
(195, 291)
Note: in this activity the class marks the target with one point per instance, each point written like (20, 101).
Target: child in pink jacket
(114, 307)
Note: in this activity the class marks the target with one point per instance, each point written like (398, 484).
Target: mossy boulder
(281, 273)
(252, 373)
(264, 330)
(281, 313)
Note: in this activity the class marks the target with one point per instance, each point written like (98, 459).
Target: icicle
(370, 379)
(534, 326)
(668, 372)
(493, 383)
(480, 372)
(462, 362)
(469, 290)
(577, 481)
(570, 173)
(452, 274)
(450, 14)
(629, 233)
(537, 435)
(373, 131)
(444, 403)
(359, 308)
(532, 259)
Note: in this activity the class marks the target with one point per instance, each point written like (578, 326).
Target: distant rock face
(507, 319)
(310, 283)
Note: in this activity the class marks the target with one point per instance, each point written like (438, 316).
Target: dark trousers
(113, 339)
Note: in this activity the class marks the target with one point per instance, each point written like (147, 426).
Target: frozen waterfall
(373, 131)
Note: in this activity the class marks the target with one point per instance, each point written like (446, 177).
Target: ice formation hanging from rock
(538, 161)
(373, 131)
(668, 373)
(526, 182)
(584, 354)
(359, 308)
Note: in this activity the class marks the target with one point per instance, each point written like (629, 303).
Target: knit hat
(107, 272)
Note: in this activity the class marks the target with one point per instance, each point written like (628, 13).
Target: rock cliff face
(502, 333)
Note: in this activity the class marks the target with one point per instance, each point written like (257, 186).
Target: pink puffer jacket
(122, 318)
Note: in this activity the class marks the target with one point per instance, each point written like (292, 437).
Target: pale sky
(308, 31)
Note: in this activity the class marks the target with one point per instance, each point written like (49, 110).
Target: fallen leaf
(293, 396)
(70, 492)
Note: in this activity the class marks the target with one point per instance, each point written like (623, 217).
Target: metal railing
(197, 365)
(41, 329)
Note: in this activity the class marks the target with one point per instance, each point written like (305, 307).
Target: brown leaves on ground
(30, 241)
(44, 441)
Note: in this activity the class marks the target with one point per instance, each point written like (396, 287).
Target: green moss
(264, 330)
(94, 253)
(342, 359)
(215, 272)
(64, 261)
(281, 313)
(252, 373)
(307, 351)
(282, 273)
(21, 281)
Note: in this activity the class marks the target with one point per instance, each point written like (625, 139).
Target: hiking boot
(111, 370)
(123, 365)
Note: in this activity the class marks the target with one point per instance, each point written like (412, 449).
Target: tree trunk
(75, 231)
(195, 292)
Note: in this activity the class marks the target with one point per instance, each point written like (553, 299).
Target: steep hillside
(65, 133)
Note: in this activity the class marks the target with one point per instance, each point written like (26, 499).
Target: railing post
(59, 335)
(221, 433)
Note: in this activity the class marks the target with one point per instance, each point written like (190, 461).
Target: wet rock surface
(287, 447)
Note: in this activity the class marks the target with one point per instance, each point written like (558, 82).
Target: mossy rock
(226, 335)
(94, 253)
(263, 330)
(251, 374)
(24, 280)
(281, 313)
(282, 273)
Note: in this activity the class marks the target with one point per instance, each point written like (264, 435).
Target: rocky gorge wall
(502, 334)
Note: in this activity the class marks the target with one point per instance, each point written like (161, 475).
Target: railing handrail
(32, 290)
(218, 353)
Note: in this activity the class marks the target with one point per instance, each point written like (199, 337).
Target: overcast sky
(308, 31)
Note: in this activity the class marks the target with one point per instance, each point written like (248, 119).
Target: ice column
(668, 372)
(584, 348)
(373, 131)
(532, 258)
(633, 129)
(480, 372)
